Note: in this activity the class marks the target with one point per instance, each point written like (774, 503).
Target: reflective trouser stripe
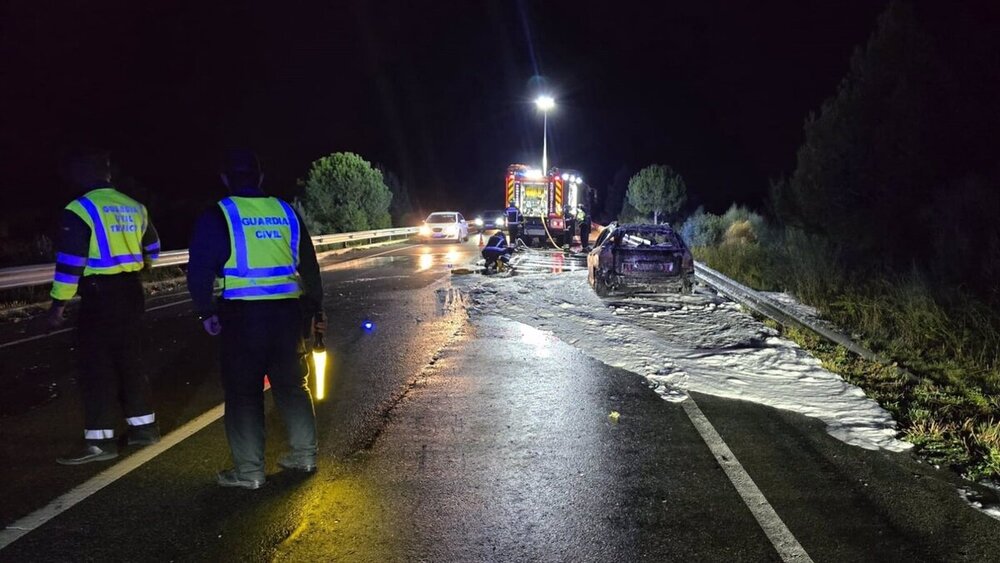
(140, 420)
(98, 434)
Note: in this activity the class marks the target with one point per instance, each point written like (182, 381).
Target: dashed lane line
(781, 537)
(34, 520)
(72, 328)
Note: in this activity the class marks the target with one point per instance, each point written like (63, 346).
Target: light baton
(319, 360)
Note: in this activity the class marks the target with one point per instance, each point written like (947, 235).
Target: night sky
(439, 92)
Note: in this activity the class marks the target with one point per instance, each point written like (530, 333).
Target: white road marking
(32, 521)
(37, 337)
(66, 501)
(72, 328)
(781, 537)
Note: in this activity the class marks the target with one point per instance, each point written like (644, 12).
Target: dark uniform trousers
(110, 337)
(261, 338)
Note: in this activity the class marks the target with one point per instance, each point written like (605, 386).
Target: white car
(445, 225)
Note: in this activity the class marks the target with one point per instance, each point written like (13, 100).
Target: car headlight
(479, 221)
(499, 222)
(425, 231)
(451, 229)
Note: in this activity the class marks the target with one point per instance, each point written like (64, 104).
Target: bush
(740, 232)
(702, 229)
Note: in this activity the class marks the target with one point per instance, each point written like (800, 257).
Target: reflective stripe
(98, 434)
(141, 420)
(153, 250)
(98, 229)
(67, 278)
(239, 238)
(293, 224)
(260, 272)
(257, 291)
(70, 260)
(111, 261)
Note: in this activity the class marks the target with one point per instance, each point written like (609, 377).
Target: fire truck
(546, 201)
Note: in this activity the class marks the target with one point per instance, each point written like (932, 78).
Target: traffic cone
(481, 243)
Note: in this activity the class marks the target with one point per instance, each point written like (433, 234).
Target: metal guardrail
(771, 308)
(40, 274)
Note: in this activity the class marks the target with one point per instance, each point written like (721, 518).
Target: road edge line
(33, 521)
(774, 528)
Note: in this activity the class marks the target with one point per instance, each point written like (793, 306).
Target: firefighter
(583, 218)
(496, 249)
(514, 220)
(105, 240)
(272, 297)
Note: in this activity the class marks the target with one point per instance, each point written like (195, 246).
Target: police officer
(105, 240)
(514, 220)
(261, 249)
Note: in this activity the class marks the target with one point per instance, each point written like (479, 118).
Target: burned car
(639, 258)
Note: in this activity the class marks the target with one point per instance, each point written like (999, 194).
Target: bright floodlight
(545, 103)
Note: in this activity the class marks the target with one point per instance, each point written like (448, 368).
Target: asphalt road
(446, 438)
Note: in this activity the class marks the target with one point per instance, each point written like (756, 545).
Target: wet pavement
(450, 438)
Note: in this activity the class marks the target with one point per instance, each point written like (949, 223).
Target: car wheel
(601, 286)
(686, 285)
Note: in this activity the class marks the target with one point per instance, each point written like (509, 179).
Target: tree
(343, 193)
(657, 189)
(401, 207)
(871, 157)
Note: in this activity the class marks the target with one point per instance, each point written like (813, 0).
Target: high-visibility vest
(263, 249)
(512, 215)
(117, 224)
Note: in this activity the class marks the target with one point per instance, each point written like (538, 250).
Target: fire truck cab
(547, 202)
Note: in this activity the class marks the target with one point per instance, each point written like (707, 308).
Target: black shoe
(143, 435)
(300, 464)
(232, 478)
(91, 451)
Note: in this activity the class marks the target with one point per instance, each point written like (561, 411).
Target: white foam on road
(689, 343)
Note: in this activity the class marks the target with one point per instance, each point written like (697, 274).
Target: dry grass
(949, 340)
